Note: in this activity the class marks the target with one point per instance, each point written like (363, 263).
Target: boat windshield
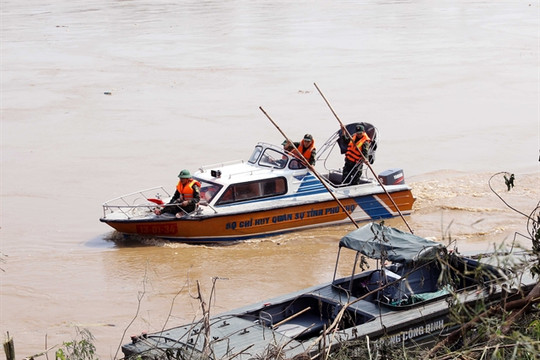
(273, 158)
(268, 157)
(208, 189)
(255, 155)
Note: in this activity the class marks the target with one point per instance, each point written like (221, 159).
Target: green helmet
(184, 174)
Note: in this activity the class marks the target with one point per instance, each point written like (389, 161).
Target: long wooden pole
(364, 159)
(312, 169)
(291, 317)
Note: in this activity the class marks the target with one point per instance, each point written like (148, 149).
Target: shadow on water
(118, 240)
(121, 240)
(100, 242)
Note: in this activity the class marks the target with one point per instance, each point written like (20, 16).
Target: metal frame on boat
(270, 193)
(405, 299)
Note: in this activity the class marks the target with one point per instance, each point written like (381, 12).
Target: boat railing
(219, 165)
(232, 174)
(198, 211)
(253, 171)
(266, 319)
(134, 204)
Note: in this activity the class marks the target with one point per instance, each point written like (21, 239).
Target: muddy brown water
(102, 98)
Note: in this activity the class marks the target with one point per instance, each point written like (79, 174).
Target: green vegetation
(81, 348)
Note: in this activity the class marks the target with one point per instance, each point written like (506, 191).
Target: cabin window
(255, 155)
(273, 158)
(208, 189)
(253, 190)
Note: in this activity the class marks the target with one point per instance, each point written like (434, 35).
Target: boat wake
(134, 240)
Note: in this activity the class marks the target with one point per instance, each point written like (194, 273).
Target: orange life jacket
(187, 190)
(354, 150)
(306, 152)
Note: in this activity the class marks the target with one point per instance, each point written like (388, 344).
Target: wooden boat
(404, 300)
(270, 193)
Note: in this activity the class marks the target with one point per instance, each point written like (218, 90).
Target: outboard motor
(370, 130)
(392, 177)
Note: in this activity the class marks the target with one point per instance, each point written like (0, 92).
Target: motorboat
(405, 299)
(271, 192)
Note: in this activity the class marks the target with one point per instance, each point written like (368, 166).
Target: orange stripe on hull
(259, 223)
(403, 199)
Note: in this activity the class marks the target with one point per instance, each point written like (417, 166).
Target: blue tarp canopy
(382, 242)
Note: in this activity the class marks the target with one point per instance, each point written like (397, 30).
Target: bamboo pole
(291, 317)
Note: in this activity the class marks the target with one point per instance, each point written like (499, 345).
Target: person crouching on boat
(185, 198)
(358, 146)
(307, 148)
(304, 148)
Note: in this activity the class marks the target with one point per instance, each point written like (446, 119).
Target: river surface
(102, 98)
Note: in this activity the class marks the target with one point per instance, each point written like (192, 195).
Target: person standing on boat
(185, 198)
(358, 146)
(307, 148)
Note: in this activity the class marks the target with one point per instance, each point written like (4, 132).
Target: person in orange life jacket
(307, 148)
(358, 146)
(185, 198)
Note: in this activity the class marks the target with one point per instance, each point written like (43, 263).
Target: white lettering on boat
(414, 332)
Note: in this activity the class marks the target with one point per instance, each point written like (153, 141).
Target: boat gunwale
(200, 217)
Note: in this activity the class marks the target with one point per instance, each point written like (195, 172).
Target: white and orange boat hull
(265, 222)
